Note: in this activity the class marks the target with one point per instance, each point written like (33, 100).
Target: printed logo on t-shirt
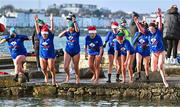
(45, 45)
(154, 41)
(142, 41)
(123, 49)
(13, 45)
(71, 39)
(92, 45)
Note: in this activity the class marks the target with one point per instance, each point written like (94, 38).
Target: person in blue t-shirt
(142, 49)
(17, 50)
(46, 49)
(94, 51)
(72, 49)
(156, 45)
(110, 38)
(127, 55)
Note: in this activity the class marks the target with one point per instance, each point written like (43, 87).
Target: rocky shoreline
(152, 91)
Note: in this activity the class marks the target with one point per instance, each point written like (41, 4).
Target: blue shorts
(111, 52)
(72, 54)
(48, 57)
(144, 54)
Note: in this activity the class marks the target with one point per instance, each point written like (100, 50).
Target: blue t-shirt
(72, 43)
(110, 38)
(93, 44)
(142, 44)
(156, 41)
(124, 47)
(16, 45)
(46, 49)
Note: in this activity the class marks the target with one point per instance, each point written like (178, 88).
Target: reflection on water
(81, 101)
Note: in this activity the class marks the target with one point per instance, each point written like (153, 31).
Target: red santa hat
(2, 27)
(44, 29)
(114, 25)
(92, 29)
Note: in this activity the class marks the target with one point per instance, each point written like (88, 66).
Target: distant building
(75, 8)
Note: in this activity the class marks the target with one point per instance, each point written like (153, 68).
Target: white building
(75, 8)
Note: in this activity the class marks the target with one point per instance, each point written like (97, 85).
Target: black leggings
(172, 44)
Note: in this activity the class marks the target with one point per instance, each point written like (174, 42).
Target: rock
(17, 91)
(5, 92)
(37, 74)
(156, 98)
(86, 73)
(92, 91)
(100, 91)
(7, 81)
(71, 89)
(153, 77)
(145, 94)
(45, 91)
(172, 69)
(21, 79)
(156, 92)
(130, 93)
(79, 91)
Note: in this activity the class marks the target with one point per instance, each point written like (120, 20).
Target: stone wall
(153, 91)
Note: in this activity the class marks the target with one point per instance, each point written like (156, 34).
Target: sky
(141, 6)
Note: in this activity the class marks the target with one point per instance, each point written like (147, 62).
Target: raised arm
(140, 28)
(159, 14)
(2, 41)
(52, 23)
(62, 33)
(75, 24)
(33, 37)
(36, 24)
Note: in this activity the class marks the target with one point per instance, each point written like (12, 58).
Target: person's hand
(73, 19)
(33, 47)
(136, 19)
(51, 16)
(159, 13)
(125, 63)
(86, 56)
(36, 17)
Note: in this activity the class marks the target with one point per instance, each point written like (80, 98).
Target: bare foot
(53, 82)
(67, 79)
(123, 81)
(96, 81)
(45, 79)
(130, 81)
(77, 80)
(93, 78)
(166, 84)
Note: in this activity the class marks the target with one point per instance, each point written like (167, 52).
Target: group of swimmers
(147, 44)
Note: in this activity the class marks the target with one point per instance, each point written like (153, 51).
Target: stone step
(6, 60)
(7, 66)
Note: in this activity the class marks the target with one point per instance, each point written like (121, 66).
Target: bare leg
(123, 70)
(110, 67)
(146, 61)
(51, 66)
(129, 67)
(76, 59)
(161, 68)
(67, 60)
(91, 60)
(97, 68)
(43, 64)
